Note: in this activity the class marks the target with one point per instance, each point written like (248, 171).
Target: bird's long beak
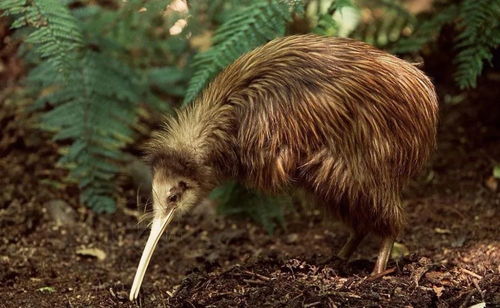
(157, 228)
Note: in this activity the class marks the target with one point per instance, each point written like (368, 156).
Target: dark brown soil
(448, 255)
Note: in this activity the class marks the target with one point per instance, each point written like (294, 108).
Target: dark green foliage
(93, 88)
(235, 199)
(248, 28)
(478, 26)
(86, 90)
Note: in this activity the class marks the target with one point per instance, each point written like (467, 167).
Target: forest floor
(56, 253)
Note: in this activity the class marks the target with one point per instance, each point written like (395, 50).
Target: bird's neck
(208, 131)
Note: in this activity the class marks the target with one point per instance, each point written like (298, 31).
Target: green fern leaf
(93, 111)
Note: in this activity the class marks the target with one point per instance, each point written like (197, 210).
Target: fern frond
(248, 28)
(95, 110)
(55, 36)
(14, 7)
(269, 211)
(480, 25)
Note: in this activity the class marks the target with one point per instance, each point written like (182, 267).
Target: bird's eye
(172, 198)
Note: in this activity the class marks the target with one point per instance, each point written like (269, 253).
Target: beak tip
(132, 294)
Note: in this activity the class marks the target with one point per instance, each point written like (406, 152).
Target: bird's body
(345, 121)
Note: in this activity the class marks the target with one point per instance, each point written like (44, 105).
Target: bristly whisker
(147, 217)
(147, 211)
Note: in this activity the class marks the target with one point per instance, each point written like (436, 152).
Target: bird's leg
(383, 255)
(350, 246)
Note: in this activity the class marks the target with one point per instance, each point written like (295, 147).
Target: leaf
(438, 291)
(442, 231)
(496, 172)
(92, 252)
(478, 305)
(492, 183)
(399, 250)
(46, 289)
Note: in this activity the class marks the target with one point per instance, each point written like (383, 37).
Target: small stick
(222, 294)
(382, 274)
(466, 271)
(312, 304)
(476, 284)
(257, 275)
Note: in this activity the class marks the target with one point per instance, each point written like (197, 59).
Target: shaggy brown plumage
(337, 117)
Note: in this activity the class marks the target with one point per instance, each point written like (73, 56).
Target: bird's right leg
(350, 246)
(383, 255)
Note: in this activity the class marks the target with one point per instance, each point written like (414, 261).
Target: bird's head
(173, 193)
(179, 183)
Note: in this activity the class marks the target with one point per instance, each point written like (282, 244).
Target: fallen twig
(379, 275)
(476, 284)
(262, 277)
(342, 294)
(222, 294)
(466, 271)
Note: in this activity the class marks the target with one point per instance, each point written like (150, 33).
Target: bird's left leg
(350, 246)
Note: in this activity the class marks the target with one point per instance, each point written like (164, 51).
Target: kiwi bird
(338, 118)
